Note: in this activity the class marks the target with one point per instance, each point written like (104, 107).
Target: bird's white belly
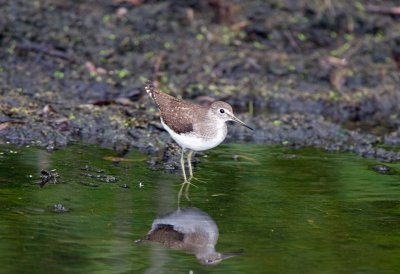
(193, 142)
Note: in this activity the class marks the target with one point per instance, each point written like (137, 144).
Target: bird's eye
(221, 110)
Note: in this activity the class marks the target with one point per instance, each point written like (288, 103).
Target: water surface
(291, 211)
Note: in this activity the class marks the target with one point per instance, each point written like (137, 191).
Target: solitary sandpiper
(193, 127)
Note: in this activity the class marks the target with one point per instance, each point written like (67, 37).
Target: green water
(291, 211)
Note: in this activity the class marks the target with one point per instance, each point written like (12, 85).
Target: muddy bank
(303, 74)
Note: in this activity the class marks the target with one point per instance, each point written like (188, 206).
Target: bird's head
(224, 112)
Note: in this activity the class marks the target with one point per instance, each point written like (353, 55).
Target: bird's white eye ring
(221, 110)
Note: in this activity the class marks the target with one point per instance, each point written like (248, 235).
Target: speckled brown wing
(179, 115)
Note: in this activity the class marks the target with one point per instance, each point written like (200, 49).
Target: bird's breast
(210, 135)
(203, 137)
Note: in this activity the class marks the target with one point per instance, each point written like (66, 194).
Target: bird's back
(176, 114)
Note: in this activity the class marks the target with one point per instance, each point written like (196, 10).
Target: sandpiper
(193, 127)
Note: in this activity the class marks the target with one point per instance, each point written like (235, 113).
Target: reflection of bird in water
(191, 230)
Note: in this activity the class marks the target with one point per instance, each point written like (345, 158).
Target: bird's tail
(151, 90)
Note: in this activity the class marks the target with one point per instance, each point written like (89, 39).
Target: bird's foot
(204, 181)
(185, 190)
(187, 183)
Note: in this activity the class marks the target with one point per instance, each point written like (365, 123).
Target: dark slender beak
(231, 254)
(237, 120)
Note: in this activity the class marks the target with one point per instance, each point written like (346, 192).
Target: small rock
(382, 169)
(47, 176)
(59, 208)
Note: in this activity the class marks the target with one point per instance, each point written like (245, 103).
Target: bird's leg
(183, 165)
(189, 160)
(180, 193)
(186, 183)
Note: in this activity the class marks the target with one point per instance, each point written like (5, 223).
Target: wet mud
(302, 73)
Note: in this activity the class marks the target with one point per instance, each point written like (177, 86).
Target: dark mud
(303, 73)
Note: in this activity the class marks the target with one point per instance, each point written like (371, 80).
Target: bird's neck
(216, 122)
